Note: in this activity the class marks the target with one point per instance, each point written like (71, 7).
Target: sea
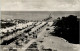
(37, 15)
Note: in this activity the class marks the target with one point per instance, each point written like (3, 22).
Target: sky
(40, 5)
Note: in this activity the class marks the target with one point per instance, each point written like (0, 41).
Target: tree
(67, 28)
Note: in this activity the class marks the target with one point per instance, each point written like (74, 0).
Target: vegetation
(67, 28)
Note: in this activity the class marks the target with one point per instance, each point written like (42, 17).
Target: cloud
(40, 5)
